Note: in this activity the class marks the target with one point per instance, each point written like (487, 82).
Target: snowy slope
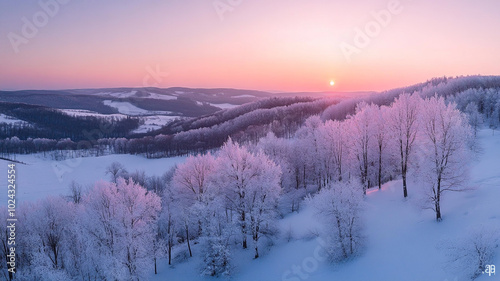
(402, 240)
(154, 122)
(10, 120)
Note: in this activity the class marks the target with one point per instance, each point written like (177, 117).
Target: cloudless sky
(279, 45)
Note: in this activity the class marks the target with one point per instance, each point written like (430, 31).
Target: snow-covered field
(243, 96)
(125, 107)
(403, 241)
(9, 119)
(129, 109)
(41, 177)
(224, 105)
(154, 122)
(121, 95)
(84, 113)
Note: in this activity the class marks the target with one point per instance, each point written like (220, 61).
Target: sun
(332, 83)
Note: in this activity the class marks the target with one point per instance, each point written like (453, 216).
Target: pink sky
(275, 45)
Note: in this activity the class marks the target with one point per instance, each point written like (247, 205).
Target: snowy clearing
(154, 122)
(243, 96)
(125, 107)
(9, 119)
(119, 95)
(84, 113)
(160, 97)
(224, 105)
(43, 177)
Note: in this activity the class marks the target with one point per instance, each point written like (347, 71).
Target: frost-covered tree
(119, 223)
(170, 221)
(361, 127)
(52, 219)
(308, 140)
(380, 118)
(475, 118)
(333, 149)
(189, 186)
(281, 151)
(403, 125)
(339, 207)
(444, 152)
(216, 239)
(250, 183)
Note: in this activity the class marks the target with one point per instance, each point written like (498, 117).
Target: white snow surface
(9, 119)
(160, 97)
(224, 105)
(83, 112)
(154, 122)
(120, 95)
(125, 107)
(244, 96)
(129, 109)
(42, 177)
(402, 239)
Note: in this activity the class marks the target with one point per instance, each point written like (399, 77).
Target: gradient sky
(279, 45)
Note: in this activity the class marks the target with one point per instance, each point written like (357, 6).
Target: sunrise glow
(261, 45)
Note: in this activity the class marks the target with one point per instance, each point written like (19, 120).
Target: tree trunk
(438, 199)
(380, 168)
(341, 240)
(438, 211)
(405, 191)
(169, 253)
(243, 230)
(189, 245)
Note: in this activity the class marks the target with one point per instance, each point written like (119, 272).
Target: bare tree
(75, 190)
(116, 170)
